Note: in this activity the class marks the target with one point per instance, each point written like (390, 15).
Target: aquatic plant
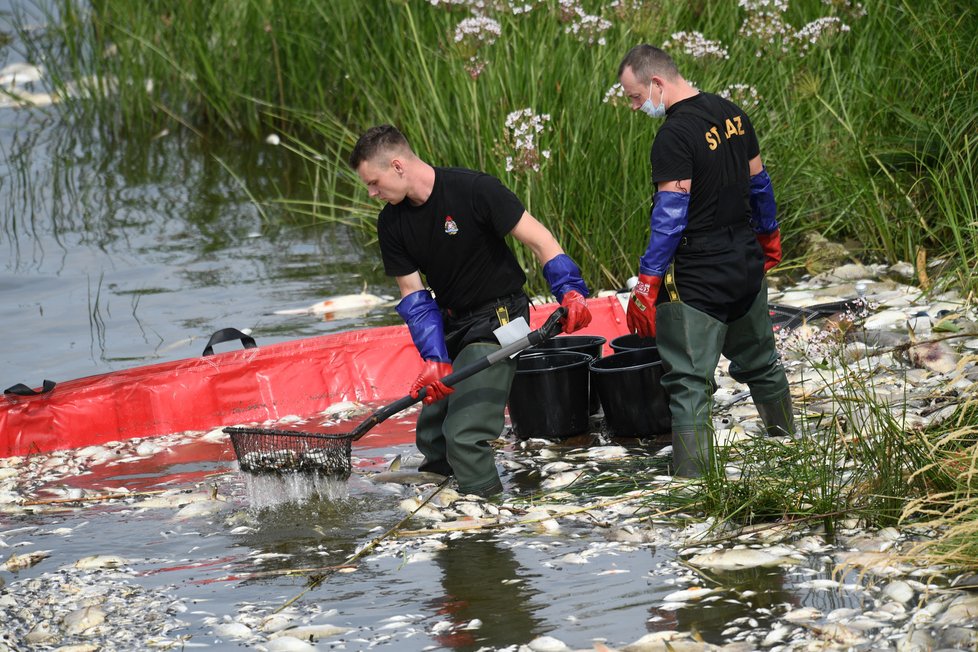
(949, 509)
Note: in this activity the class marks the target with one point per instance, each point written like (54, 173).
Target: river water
(119, 253)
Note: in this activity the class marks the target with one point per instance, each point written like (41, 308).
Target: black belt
(720, 235)
(462, 313)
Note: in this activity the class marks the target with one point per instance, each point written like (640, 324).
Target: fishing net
(262, 450)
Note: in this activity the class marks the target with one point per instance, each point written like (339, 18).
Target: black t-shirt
(456, 239)
(718, 265)
(710, 140)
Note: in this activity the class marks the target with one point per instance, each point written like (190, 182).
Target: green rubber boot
(689, 343)
(692, 452)
(777, 417)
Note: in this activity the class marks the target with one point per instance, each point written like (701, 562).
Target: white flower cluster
(847, 7)
(696, 45)
(821, 344)
(521, 131)
(813, 32)
(482, 29)
(589, 29)
(569, 10)
(765, 22)
(626, 7)
(768, 27)
(471, 34)
(615, 95)
(484, 6)
(755, 6)
(743, 95)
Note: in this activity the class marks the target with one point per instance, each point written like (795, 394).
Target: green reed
(860, 144)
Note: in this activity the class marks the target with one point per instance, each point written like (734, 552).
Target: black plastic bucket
(633, 342)
(549, 397)
(590, 344)
(630, 388)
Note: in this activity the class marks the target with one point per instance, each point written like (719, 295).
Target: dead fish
(346, 410)
(561, 480)
(686, 595)
(607, 452)
(886, 319)
(18, 74)
(395, 475)
(100, 561)
(311, 632)
(414, 506)
(43, 632)
(233, 630)
(82, 620)
(288, 644)
(802, 615)
(839, 633)
(935, 356)
(547, 644)
(200, 509)
(26, 560)
(343, 305)
(738, 558)
(24, 99)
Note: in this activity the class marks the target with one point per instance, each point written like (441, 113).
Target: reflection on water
(320, 531)
(483, 581)
(119, 252)
(750, 593)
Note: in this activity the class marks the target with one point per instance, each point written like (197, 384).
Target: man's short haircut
(647, 61)
(375, 141)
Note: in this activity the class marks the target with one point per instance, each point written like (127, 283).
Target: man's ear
(397, 165)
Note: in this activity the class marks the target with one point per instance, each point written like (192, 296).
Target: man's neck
(683, 92)
(422, 183)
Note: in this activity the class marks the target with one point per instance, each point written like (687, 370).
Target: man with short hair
(450, 224)
(714, 234)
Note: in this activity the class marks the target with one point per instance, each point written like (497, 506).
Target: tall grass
(861, 145)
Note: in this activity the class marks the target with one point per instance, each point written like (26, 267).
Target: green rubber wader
(777, 417)
(754, 360)
(689, 343)
(454, 434)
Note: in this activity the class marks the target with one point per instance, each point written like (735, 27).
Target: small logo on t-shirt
(451, 228)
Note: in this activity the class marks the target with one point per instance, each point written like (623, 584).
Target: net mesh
(261, 450)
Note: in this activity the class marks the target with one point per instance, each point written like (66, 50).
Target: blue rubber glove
(427, 328)
(566, 284)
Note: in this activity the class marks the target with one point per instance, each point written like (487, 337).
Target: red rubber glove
(640, 315)
(430, 379)
(771, 244)
(578, 316)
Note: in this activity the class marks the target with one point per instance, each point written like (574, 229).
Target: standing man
(450, 224)
(714, 234)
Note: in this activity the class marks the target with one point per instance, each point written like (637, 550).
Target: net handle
(549, 329)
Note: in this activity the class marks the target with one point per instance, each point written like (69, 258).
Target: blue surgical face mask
(654, 111)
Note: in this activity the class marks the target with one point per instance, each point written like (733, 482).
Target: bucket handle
(227, 335)
(20, 389)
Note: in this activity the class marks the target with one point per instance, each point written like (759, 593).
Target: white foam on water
(271, 489)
